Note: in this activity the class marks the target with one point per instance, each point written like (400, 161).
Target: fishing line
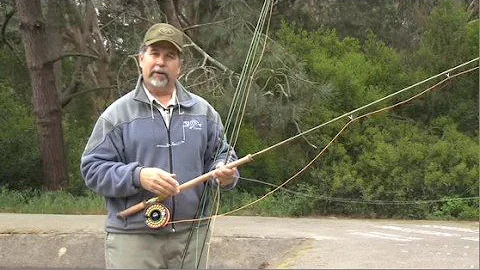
(235, 115)
(350, 113)
(340, 132)
(346, 200)
(237, 111)
(351, 120)
(248, 158)
(239, 101)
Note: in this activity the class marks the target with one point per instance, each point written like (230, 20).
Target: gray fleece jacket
(132, 134)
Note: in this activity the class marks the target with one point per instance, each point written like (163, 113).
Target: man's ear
(179, 71)
(140, 60)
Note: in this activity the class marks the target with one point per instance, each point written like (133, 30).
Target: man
(146, 144)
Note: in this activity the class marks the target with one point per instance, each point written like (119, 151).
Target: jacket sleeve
(222, 151)
(103, 165)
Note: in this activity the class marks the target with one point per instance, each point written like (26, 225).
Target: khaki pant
(144, 251)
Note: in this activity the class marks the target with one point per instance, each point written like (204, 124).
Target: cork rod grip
(195, 181)
(132, 210)
(205, 177)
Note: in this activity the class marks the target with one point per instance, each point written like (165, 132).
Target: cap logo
(165, 31)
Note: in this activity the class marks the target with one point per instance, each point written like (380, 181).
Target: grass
(281, 204)
(49, 202)
(60, 202)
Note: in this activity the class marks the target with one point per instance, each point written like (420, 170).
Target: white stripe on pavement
(395, 228)
(386, 236)
(470, 239)
(450, 228)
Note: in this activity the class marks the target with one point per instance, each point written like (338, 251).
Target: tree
(45, 100)
(398, 23)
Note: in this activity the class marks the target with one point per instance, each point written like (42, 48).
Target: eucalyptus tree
(398, 23)
(45, 97)
(56, 33)
(88, 49)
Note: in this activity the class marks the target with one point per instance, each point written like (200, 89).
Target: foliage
(401, 24)
(59, 202)
(14, 75)
(19, 156)
(456, 208)
(386, 158)
(445, 41)
(78, 126)
(399, 163)
(449, 40)
(322, 59)
(283, 203)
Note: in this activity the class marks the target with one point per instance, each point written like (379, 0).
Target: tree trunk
(54, 37)
(168, 6)
(45, 97)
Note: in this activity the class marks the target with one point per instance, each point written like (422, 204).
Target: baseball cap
(166, 32)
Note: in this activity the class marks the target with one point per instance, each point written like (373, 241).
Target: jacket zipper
(170, 152)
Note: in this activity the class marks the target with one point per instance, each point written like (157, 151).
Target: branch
(208, 57)
(112, 20)
(68, 98)
(8, 16)
(472, 8)
(130, 57)
(72, 54)
(205, 24)
(180, 15)
(73, 85)
(402, 118)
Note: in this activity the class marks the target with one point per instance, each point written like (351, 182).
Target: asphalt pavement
(73, 241)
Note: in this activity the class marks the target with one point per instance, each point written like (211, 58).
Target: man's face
(160, 66)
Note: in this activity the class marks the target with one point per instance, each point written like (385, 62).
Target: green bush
(78, 124)
(20, 164)
(399, 162)
(456, 208)
(423, 151)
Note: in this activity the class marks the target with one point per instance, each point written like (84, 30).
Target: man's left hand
(224, 175)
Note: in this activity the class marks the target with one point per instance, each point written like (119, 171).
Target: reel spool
(157, 216)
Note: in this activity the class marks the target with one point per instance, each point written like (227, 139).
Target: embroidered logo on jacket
(193, 124)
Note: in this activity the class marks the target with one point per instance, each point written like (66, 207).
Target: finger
(225, 173)
(172, 179)
(162, 191)
(166, 187)
(170, 185)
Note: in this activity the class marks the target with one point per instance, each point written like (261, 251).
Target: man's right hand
(159, 182)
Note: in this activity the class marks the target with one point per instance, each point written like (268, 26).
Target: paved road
(258, 242)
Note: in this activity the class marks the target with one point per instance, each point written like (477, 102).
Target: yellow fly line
(250, 157)
(449, 75)
(237, 111)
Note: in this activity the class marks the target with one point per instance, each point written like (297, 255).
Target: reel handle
(137, 207)
(195, 181)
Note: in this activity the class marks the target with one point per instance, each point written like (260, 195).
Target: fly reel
(157, 216)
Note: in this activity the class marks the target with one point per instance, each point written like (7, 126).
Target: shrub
(20, 164)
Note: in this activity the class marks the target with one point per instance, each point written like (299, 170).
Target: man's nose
(160, 61)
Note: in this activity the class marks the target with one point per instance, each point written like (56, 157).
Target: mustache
(159, 71)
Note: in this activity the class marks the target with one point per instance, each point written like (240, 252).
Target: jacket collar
(184, 97)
